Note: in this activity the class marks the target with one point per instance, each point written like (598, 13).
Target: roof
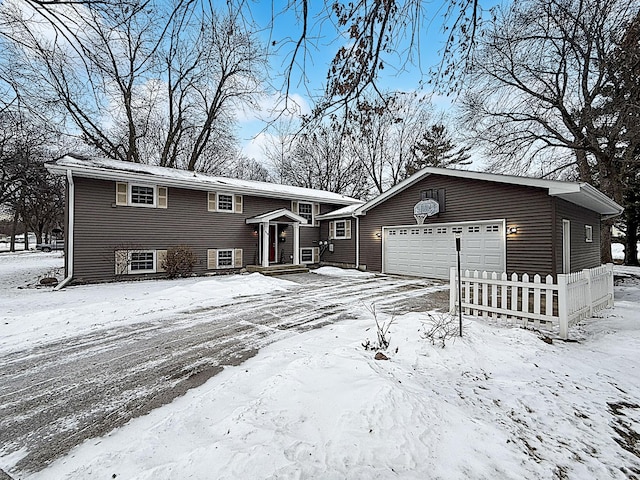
(276, 214)
(105, 169)
(579, 193)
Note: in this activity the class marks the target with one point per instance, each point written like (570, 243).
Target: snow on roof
(103, 168)
(341, 212)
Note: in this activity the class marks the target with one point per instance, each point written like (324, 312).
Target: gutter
(69, 234)
(357, 240)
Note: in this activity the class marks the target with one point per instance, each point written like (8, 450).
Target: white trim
(143, 185)
(233, 202)
(302, 261)
(566, 246)
(347, 227)
(270, 216)
(119, 171)
(308, 223)
(588, 233)
(69, 253)
(218, 251)
(579, 193)
(130, 261)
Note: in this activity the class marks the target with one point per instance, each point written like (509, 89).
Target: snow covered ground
(498, 403)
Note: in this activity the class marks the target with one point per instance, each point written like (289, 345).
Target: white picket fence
(545, 304)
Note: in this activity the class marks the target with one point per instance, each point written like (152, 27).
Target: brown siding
(344, 251)
(530, 209)
(101, 228)
(583, 254)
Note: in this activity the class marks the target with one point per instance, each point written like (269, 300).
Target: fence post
(453, 290)
(587, 275)
(610, 284)
(563, 310)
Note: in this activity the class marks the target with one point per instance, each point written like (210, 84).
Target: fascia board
(195, 184)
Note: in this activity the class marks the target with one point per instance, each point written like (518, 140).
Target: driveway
(58, 394)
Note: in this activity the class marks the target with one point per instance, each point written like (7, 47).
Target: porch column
(296, 243)
(265, 244)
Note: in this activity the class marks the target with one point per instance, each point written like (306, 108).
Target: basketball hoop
(425, 208)
(420, 218)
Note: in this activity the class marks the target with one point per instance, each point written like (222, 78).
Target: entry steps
(277, 269)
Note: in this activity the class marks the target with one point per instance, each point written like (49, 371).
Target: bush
(180, 261)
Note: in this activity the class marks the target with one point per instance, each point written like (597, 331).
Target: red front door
(273, 238)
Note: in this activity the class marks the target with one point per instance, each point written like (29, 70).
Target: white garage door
(430, 251)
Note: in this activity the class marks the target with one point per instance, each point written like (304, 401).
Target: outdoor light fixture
(378, 234)
(512, 230)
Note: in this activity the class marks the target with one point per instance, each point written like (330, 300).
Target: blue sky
(398, 74)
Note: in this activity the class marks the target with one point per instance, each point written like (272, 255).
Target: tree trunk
(14, 227)
(631, 240)
(605, 241)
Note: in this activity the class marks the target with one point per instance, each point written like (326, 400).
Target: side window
(340, 229)
(224, 258)
(224, 202)
(305, 210)
(136, 195)
(588, 233)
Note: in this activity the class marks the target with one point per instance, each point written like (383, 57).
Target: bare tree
(158, 84)
(383, 132)
(319, 158)
(536, 91)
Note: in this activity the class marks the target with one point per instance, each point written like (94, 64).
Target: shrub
(179, 261)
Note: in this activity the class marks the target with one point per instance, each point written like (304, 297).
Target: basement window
(142, 262)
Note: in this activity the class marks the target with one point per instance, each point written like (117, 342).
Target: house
(505, 223)
(122, 217)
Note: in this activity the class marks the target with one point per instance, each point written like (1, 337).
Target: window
(142, 195)
(427, 231)
(588, 233)
(456, 229)
(392, 232)
(441, 230)
(403, 232)
(305, 210)
(136, 195)
(139, 261)
(225, 259)
(493, 228)
(225, 202)
(474, 229)
(437, 194)
(340, 229)
(310, 255)
(415, 231)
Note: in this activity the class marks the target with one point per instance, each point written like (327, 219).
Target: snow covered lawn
(498, 403)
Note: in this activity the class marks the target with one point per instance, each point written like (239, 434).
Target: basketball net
(420, 217)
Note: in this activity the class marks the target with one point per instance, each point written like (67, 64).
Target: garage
(429, 250)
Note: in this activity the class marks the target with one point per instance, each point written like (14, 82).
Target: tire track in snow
(55, 396)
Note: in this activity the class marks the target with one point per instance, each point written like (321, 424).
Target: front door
(273, 239)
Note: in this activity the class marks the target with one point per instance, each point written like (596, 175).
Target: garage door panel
(429, 252)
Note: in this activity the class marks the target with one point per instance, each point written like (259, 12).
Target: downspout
(357, 240)
(69, 235)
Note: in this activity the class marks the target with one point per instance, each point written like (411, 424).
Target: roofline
(267, 217)
(554, 188)
(115, 175)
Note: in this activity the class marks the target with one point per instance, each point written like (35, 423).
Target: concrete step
(280, 269)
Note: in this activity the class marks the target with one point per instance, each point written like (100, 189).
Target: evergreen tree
(436, 149)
